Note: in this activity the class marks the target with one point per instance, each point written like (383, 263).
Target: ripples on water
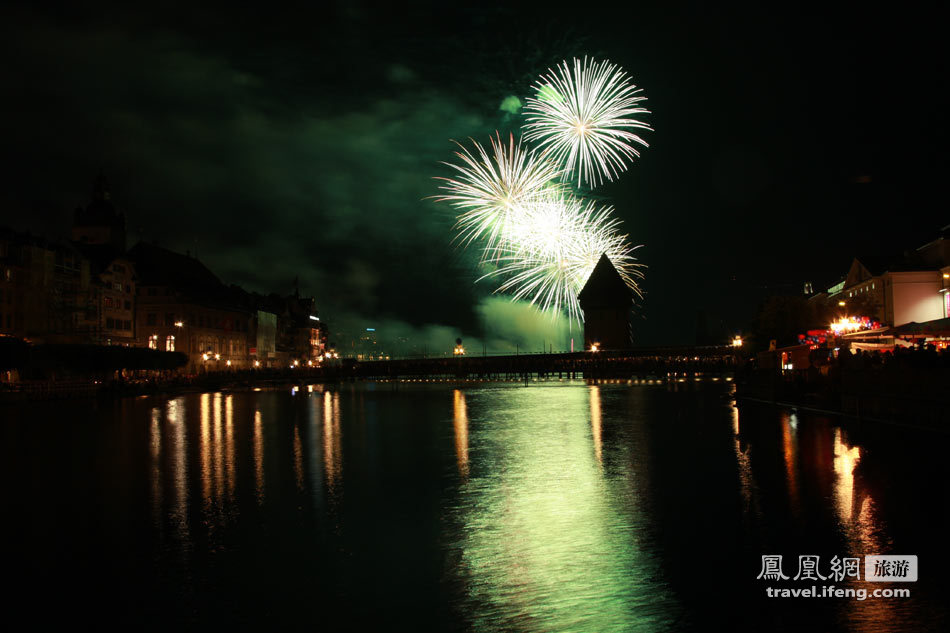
(553, 507)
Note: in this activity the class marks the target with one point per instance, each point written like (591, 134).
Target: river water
(557, 506)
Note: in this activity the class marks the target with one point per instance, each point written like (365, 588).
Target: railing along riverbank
(914, 391)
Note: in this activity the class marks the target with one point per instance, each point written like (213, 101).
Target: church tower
(99, 223)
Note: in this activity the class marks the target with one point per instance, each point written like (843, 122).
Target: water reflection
(580, 508)
(217, 454)
(229, 461)
(545, 546)
(168, 449)
(179, 445)
(205, 446)
(332, 451)
(845, 461)
(595, 422)
(258, 456)
(818, 463)
(460, 425)
(155, 446)
(857, 511)
(747, 487)
(790, 452)
(835, 505)
(298, 458)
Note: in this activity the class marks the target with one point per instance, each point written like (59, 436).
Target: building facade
(181, 306)
(896, 290)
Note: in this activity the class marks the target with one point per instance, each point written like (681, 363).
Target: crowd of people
(917, 357)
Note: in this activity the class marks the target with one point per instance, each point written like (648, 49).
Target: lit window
(153, 341)
(169, 343)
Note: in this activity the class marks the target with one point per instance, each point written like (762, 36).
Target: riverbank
(27, 391)
(908, 396)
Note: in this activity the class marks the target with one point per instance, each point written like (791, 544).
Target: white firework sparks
(490, 190)
(550, 249)
(582, 118)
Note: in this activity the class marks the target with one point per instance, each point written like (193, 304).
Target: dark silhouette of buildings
(92, 290)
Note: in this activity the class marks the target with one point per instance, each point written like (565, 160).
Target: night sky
(279, 144)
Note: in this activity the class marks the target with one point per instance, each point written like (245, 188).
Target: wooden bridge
(645, 362)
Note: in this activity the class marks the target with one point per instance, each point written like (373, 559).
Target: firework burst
(552, 246)
(540, 239)
(582, 118)
(489, 191)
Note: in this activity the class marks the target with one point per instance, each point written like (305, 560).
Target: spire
(100, 222)
(100, 189)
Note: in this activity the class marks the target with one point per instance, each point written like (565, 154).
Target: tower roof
(605, 288)
(100, 211)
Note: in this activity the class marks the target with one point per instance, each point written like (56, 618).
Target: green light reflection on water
(549, 540)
